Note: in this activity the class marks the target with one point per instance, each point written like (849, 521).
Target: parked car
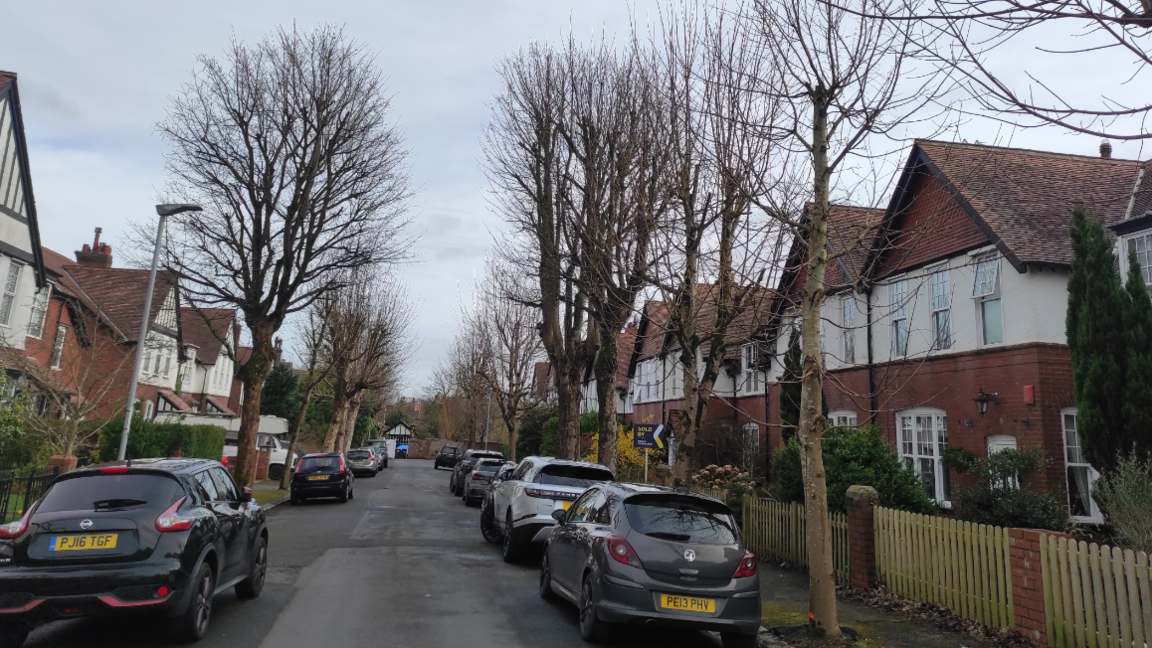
(363, 461)
(322, 475)
(270, 442)
(478, 480)
(631, 553)
(522, 503)
(402, 451)
(463, 468)
(386, 448)
(159, 536)
(487, 526)
(447, 456)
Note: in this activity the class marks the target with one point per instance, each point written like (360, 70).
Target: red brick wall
(934, 226)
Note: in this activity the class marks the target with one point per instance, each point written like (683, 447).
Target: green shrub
(150, 439)
(998, 497)
(1125, 496)
(852, 457)
(529, 436)
(550, 437)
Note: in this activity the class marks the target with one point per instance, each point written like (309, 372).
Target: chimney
(1106, 149)
(98, 255)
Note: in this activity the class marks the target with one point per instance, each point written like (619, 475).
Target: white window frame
(842, 418)
(921, 453)
(848, 335)
(1074, 459)
(985, 290)
(39, 312)
(58, 342)
(11, 287)
(898, 296)
(749, 374)
(939, 289)
(676, 378)
(1141, 245)
(149, 410)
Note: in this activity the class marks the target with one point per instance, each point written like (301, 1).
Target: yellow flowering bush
(629, 460)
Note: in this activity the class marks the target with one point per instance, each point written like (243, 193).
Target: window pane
(993, 323)
(942, 329)
(906, 434)
(940, 296)
(1079, 492)
(899, 293)
(900, 337)
(985, 283)
(924, 440)
(849, 310)
(928, 476)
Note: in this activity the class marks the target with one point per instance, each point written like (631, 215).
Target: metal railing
(17, 492)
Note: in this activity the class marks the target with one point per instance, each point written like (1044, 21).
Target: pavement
(402, 564)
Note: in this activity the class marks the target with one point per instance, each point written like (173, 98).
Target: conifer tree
(790, 388)
(1137, 402)
(1096, 339)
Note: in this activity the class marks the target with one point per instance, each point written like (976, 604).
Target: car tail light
(170, 520)
(747, 566)
(17, 528)
(622, 551)
(342, 469)
(224, 461)
(543, 494)
(114, 469)
(478, 475)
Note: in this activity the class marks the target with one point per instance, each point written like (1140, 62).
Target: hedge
(150, 439)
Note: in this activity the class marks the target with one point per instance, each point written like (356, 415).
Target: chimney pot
(1106, 149)
(96, 241)
(97, 255)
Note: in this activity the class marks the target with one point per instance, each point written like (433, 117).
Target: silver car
(363, 461)
(477, 482)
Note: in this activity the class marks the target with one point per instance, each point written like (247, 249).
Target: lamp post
(164, 212)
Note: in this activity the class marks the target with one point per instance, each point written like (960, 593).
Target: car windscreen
(112, 492)
(681, 519)
(578, 476)
(450, 451)
(359, 455)
(488, 466)
(318, 464)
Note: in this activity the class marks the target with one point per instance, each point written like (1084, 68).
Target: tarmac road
(402, 564)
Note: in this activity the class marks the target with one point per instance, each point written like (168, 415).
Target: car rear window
(359, 454)
(682, 519)
(578, 476)
(108, 492)
(319, 463)
(488, 466)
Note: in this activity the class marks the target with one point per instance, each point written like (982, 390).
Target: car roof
(174, 465)
(321, 454)
(628, 489)
(553, 461)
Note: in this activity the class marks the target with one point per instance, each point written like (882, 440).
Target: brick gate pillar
(862, 502)
(1028, 583)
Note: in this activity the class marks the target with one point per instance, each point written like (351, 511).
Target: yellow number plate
(83, 542)
(687, 603)
(566, 505)
(318, 478)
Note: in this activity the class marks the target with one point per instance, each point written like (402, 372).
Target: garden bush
(1125, 496)
(852, 457)
(1000, 496)
(150, 439)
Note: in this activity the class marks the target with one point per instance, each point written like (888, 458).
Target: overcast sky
(95, 78)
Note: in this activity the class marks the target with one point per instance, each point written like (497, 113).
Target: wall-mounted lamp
(983, 399)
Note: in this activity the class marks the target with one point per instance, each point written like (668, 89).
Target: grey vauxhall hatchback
(633, 553)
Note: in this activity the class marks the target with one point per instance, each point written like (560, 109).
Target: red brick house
(946, 325)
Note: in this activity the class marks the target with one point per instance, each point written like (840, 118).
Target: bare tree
(510, 343)
(287, 146)
(529, 168)
(314, 335)
(842, 79)
(369, 339)
(717, 256)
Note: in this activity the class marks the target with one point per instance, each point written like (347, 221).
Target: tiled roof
(1142, 201)
(175, 400)
(6, 78)
(242, 355)
(651, 339)
(207, 328)
(220, 404)
(1026, 197)
(56, 263)
(624, 358)
(118, 293)
(851, 233)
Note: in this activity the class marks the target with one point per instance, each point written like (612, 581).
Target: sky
(95, 78)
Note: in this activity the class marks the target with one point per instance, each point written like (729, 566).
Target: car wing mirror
(559, 515)
(247, 496)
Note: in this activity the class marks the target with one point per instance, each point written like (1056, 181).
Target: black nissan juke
(153, 536)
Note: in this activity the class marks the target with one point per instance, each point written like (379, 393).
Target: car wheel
(737, 640)
(193, 624)
(296, 500)
(592, 629)
(488, 524)
(251, 587)
(13, 635)
(275, 472)
(511, 547)
(344, 496)
(546, 592)
(452, 484)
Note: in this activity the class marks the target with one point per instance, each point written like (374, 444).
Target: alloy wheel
(587, 607)
(260, 569)
(203, 604)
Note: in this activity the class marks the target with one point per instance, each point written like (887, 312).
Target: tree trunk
(568, 411)
(336, 425)
(350, 419)
(605, 371)
(822, 585)
(253, 374)
(298, 425)
(510, 422)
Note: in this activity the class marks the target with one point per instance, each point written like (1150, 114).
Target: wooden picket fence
(1095, 596)
(962, 566)
(776, 531)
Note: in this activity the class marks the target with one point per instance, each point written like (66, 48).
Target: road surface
(402, 564)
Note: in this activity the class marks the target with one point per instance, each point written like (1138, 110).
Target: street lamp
(983, 399)
(164, 211)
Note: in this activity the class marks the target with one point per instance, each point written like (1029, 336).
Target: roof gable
(17, 203)
(209, 329)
